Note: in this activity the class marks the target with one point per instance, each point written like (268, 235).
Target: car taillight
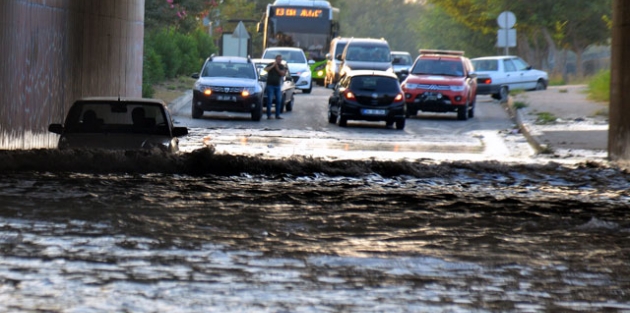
(486, 80)
(398, 97)
(207, 92)
(349, 95)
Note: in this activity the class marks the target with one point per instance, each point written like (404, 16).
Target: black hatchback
(369, 96)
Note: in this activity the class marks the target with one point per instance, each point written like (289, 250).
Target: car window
(117, 117)
(486, 65)
(225, 69)
(438, 67)
(339, 48)
(509, 66)
(520, 64)
(374, 83)
(368, 53)
(405, 59)
(288, 56)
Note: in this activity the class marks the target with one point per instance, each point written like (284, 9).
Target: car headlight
(248, 91)
(457, 88)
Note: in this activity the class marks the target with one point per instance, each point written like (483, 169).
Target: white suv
(298, 65)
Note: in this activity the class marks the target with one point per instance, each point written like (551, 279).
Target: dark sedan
(118, 124)
(369, 96)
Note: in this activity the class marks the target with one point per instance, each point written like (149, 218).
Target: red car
(441, 81)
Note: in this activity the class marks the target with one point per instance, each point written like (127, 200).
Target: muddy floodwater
(138, 232)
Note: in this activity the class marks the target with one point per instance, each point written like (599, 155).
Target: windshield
(227, 69)
(403, 59)
(289, 56)
(374, 83)
(100, 116)
(438, 67)
(368, 53)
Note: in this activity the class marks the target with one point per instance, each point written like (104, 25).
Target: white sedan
(497, 75)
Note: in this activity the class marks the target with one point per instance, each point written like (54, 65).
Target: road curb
(180, 102)
(525, 128)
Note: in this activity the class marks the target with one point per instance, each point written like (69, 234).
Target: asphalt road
(305, 131)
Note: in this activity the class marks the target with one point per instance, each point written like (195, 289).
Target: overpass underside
(55, 51)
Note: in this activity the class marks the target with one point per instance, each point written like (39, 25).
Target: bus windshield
(310, 28)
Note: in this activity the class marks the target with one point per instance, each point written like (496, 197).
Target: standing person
(275, 74)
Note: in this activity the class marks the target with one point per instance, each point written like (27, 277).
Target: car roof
(233, 59)
(122, 100)
(497, 57)
(371, 73)
(369, 40)
(401, 52)
(284, 49)
(441, 54)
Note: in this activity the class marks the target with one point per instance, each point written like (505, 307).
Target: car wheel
(400, 124)
(289, 105)
(196, 112)
(332, 117)
(341, 121)
(462, 112)
(471, 110)
(257, 112)
(411, 113)
(504, 93)
(310, 88)
(540, 85)
(283, 103)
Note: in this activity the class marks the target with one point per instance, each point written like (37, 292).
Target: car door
(511, 74)
(526, 77)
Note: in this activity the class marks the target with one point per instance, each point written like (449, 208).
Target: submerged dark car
(228, 84)
(369, 96)
(118, 124)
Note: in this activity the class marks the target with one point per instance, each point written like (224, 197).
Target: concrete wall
(55, 51)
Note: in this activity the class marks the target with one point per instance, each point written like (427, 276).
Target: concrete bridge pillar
(55, 51)
(619, 126)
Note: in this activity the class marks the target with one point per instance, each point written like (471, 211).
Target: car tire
(196, 112)
(540, 85)
(283, 105)
(471, 109)
(289, 105)
(462, 112)
(257, 112)
(341, 121)
(332, 117)
(411, 113)
(400, 124)
(504, 92)
(310, 88)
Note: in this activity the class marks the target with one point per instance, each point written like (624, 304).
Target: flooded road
(200, 232)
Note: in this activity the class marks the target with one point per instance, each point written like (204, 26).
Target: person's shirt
(274, 78)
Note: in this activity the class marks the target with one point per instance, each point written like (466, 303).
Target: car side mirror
(180, 131)
(262, 78)
(338, 57)
(195, 75)
(328, 56)
(404, 71)
(55, 128)
(311, 61)
(472, 75)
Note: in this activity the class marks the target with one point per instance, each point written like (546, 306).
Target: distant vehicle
(288, 86)
(228, 84)
(401, 60)
(367, 95)
(497, 75)
(366, 54)
(298, 65)
(333, 60)
(441, 81)
(118, 124)
(306, 24)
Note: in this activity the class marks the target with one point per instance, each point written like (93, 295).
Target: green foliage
(519, 105)
(545, 118)
(599, 87)
(170, 53)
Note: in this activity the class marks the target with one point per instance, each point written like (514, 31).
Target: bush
(599, 86)
(169, 53)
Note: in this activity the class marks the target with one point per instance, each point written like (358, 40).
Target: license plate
(373, 112)
(226, 98)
